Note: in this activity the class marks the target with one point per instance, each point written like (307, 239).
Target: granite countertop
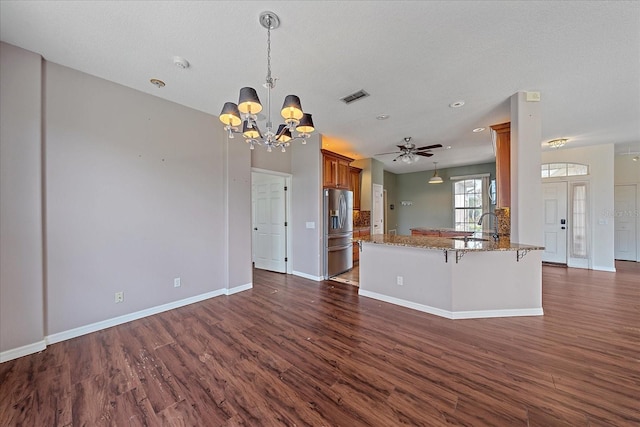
(476, 242)
(432, 229)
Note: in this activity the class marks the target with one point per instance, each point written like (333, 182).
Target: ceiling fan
(409, 152)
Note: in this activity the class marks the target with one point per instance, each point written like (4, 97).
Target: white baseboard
(476, 314)
(408, 304)
(25, 350)
(240, 288)
(609, 269)
(483, 314)
(94, 327)
(308, 276)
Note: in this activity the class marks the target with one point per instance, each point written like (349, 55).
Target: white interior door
(554, 198)
(377, 220)
(625, 222)
(269, 230)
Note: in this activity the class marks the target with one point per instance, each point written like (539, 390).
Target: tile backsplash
(361, 218)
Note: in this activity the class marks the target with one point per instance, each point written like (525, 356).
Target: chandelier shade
(248, 102)
(291, 108)
(249, 105)
(230, 114)
(306, 124)
(284, 134)
(249, 131)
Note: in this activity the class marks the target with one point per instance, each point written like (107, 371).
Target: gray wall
(21, 256)
(432, 203)
(306, 201)
(372, 173)
(390, 184)
(138, 191)
(275, 161)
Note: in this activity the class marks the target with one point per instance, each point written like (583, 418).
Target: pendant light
(435, 179)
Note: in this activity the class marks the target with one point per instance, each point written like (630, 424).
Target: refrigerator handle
(343, 210)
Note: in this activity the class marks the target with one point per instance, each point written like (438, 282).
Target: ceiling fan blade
(429, 147)
(424, 154)
(402, 147)
(382, 154)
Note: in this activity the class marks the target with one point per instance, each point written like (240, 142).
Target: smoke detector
(180, 62)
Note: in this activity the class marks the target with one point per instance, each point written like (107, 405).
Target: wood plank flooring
(293, 352)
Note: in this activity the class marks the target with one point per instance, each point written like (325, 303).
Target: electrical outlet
(119, 296)
(399, 280)
(176, 282)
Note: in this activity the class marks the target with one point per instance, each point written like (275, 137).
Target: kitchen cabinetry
(335, 170)
(359, 232)
(354, 173)
(501, 135)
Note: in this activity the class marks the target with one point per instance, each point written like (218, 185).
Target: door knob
(255, 228)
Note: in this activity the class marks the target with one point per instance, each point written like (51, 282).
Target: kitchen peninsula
(454, 277)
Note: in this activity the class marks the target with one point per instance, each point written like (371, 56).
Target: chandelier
(248, 106)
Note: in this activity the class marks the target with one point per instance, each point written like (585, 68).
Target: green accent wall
(431, 204)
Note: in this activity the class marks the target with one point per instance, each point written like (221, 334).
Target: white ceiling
(413, 57)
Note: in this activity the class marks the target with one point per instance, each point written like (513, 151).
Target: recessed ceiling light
(157, 83)
(448, 147)
(382, 116)
(456, 104)
(476, 130)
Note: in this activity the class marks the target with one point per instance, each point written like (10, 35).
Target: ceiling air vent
(354, 96)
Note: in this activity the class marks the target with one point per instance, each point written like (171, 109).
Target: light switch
(311, 225)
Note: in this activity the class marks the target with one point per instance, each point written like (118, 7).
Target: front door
(269, 231)
(377, 220)
(554, 199)
(625, 222)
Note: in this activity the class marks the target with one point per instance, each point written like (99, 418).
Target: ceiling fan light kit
(249, 105)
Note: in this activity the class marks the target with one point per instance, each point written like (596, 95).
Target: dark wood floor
(297, 352)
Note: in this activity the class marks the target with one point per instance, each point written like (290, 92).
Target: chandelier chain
(269, 78)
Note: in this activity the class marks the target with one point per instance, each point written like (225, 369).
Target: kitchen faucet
(495, 231)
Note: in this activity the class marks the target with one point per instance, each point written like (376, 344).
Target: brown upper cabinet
(502, 139)
(355, 186)
(335, 170)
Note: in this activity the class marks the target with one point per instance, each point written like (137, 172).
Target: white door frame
(289, 229)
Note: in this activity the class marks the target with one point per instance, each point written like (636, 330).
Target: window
(470, 199)
(555, 170)
(578, 230)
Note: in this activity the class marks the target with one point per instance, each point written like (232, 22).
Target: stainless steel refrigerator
(338, 231)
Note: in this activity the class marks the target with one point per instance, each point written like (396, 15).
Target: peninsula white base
(473, 284)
